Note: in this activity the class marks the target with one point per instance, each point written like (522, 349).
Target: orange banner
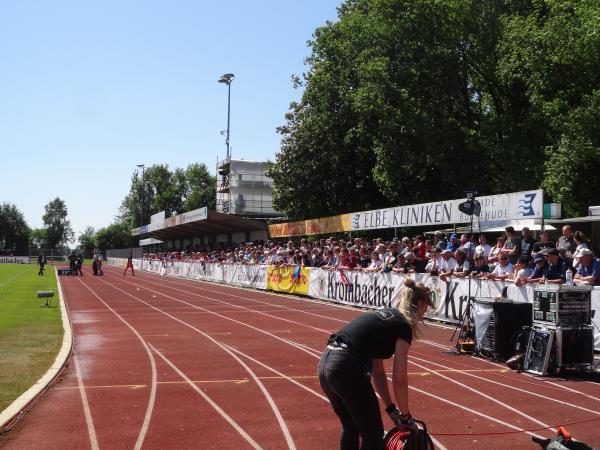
(324, 225)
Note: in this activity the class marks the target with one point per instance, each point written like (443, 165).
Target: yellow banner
(324, 225)
(294, 280)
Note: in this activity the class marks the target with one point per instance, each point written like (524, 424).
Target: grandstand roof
(197, 223)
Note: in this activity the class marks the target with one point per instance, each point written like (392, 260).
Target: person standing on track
(351, 368)
(129, 264)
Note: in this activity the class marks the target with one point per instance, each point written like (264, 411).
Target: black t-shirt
(527, 246)
(543, 246)
(374, 335)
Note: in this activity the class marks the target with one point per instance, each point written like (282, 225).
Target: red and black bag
(397, 439)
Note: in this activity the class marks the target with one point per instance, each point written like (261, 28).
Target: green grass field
(30, 336)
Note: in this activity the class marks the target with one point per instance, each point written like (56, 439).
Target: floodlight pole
(227, 79)
(142, 166)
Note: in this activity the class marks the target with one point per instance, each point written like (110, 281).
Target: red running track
(169, 363)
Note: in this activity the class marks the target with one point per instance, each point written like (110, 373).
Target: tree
(37, 238)
(14, 231)
(171, 191)
(553, 50)
(200, 187)
(410, 101)
(116, 235)
(87, 242)
(57, 226)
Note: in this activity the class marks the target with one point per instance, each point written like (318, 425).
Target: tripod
(470, 207)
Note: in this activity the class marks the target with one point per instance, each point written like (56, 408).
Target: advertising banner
(254, 276)
(14, 259)
(324, 225)
(365, 289)
(494, 208)
(294, 280)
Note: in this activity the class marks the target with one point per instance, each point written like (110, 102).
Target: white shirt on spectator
(375, 264)
(503, 270)
(447, 265)
(439, 262)
(483, 250)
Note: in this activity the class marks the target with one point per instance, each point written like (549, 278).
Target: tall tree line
(407, 101)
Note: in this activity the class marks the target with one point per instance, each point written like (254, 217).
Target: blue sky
(89, 89)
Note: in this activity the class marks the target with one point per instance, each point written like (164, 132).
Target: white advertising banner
(365, 289)
(14, 259)
(362, 289)
(494, 208)
(254, 276)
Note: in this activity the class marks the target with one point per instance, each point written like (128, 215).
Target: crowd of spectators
(513, 256)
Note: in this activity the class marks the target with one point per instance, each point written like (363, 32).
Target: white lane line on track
(282, 307)
(489, 397)
(259, 383)
(209, 400)
(541, 383)
(244, 308)
(582, 408)
(210, 312)
(306, 348)
(315, 352)
(151, 399)
(86, 408)
(276, 372)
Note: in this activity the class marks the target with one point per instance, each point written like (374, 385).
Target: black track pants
(348, 386)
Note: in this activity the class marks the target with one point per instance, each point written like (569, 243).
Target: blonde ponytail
(407, 302)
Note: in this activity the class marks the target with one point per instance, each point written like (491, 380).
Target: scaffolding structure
(244, 189)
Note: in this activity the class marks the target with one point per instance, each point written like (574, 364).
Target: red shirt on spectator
(420, 250)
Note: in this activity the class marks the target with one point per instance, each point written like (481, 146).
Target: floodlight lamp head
(471, 194)
(226, 78)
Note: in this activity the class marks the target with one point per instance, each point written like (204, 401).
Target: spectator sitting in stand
(469, 246)
(521, 271)
(483, 248)
(376, 263)
(439, 241)
(527, 242)
(566, 244)
(537, 275)
(435, 262)
(496, 250)
(503, 269)
(413, 264)
(363, 260)
(420, 248)
(589, 267)
(463, 265)
(555, 268)
(512, 246)
(543, 245)
(582, 243)
(453, 244)
(399, 267)
(346, 262)
(480, 268)
(448, 264)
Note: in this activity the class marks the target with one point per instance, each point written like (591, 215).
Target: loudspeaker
(574, 346)
(497, 334)
(539, 350)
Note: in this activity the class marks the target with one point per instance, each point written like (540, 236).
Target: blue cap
(454, 236)
(538, 258)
